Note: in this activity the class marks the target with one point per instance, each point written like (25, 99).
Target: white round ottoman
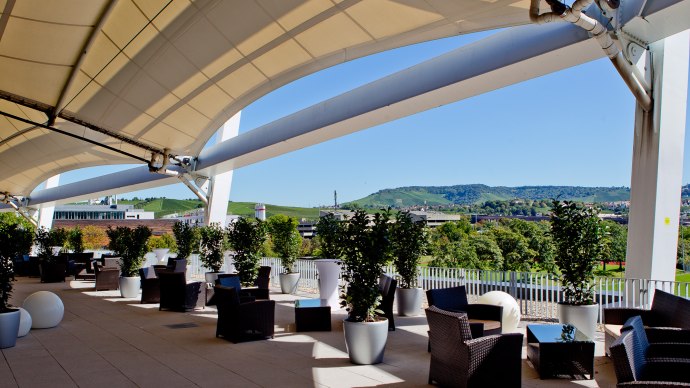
(511, 310)
(24, 322)
(46, 309)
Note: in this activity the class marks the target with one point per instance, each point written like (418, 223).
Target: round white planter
(129, 286)
(584, 318)
(409, 301)
(46, 309)
(212, 276)
(161, 255)
(329, 271)
(366, 341)
(288, 282)
(9, 327)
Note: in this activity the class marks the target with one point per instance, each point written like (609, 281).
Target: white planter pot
(409, 301)
(212, 276)
(9, 327)
(161, 255)
(329, 272)
(366, 341)
(288, 282)
(584, 318)
(129, 286)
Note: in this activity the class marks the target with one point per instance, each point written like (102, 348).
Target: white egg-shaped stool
(24, 322)
(511, 310)
(46, 309)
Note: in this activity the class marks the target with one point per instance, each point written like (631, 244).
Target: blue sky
(546, 131)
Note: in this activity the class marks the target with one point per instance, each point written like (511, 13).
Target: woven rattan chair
(150, 286)
(457, 360)
(668, 320)
(387, 286)
(178, 295)
(106, 278)
(484, 319)
(240, 322)
(639, 363)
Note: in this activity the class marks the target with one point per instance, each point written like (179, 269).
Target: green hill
(476, 193)
(165, 206)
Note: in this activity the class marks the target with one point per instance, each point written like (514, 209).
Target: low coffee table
(554, 354)
(312, 315)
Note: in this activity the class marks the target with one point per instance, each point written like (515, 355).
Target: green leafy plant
(329, 232)
(130, 245)
(366, 248)
(187, 239)
(14, 240)
(578, 234)
(286, 239)
(46, 239)
(408, 243)
(246, 237)
(213, 243)
(160, 242)
(75, 240)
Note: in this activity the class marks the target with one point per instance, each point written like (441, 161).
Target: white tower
(260, 211)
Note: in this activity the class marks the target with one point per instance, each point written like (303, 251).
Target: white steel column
(219, 185)
(45, 215)
(657, 169)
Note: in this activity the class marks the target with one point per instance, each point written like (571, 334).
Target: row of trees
(510, 245)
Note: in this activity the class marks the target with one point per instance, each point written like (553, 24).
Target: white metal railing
(537, 294)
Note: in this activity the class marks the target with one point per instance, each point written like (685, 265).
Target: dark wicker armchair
(668, 320)
(639, 363)
(178, 295)
(387, 286)
(106, 278)
(150, 286)
(240, 322)
(484, 319)
(231, 280)
(457, 360)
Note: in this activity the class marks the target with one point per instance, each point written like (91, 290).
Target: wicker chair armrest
(666, 369)
(259, 306)
(507, 345)
(247, 298)
(653, 384)
(484, 311)
(667, 334)
(618, 315)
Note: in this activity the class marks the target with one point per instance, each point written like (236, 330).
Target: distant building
(100, 212)
(198, 217)
(306, 228)
(433, 219)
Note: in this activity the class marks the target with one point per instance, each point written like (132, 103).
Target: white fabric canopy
(141, 76)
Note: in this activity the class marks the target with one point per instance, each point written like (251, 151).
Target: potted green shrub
(14, 241)
(330, 235)
(130, 245)
(246, 238)
(366, 249)
(286, 243)
(75, 240)
(577, 234)
(187, 239)
(213, 243)
(49, 243)
(408, 243)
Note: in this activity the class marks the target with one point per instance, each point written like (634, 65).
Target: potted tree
(130, 245)
(213, 244)
(329, 233)
(246, 238)
(577, 233)
(14, 240)
(186, 238)
(365, 251)
(49, 244)
(408, 242)
(286, 243)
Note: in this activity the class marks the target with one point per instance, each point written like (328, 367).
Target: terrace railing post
(512, 290)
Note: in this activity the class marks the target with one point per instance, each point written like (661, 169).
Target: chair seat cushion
(488, 325)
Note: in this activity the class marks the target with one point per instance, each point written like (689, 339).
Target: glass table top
(557, 333)
(311, 303)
